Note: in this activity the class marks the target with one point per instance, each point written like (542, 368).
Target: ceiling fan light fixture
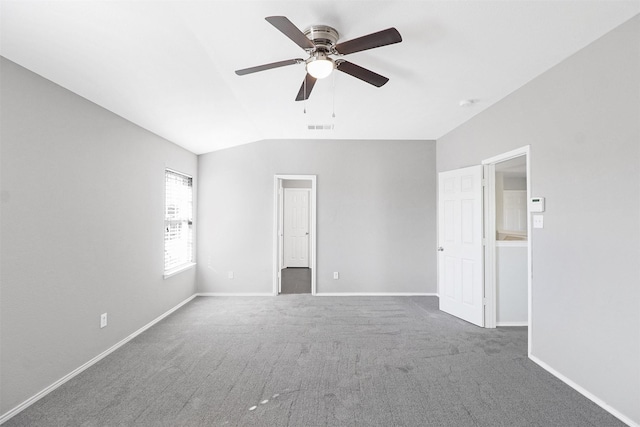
(320, 66)
(320, 42)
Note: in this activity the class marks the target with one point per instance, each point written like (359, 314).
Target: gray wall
(582, 120)
(375, 217)
(82, 231)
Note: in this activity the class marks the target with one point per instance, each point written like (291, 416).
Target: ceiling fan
(319, 41)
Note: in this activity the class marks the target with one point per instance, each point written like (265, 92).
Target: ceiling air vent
(320, 127)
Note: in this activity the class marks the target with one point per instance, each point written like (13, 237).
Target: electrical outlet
(230, 275)
(336, 275)
(103, 320)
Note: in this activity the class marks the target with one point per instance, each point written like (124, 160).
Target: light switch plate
(538, 221)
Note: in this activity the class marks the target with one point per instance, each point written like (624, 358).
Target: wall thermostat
(536, 204)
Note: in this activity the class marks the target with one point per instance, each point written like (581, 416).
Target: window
(178, 221)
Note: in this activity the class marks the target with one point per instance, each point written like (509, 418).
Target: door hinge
(484, 242)
(484, 301)
(484, 182)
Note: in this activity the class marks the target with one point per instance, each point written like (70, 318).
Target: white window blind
(178, 220)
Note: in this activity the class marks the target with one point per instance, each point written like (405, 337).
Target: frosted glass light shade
(320, 68)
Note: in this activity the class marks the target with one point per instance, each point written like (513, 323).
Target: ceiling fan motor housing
(323, 37)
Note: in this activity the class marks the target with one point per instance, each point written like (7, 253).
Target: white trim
(277, 179)
(507, 156)
(490, 279)
(178, 269)
(235, 294)
(506, 324)
(489, 219)
(280, 234)
(375, 294)
(321, 294)
(33, 399)
(277, 186)
(585, 393)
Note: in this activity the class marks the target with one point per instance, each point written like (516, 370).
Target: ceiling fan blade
(268, 66)
(361, 73)
(287, 28)
(307, 84)
(379, 39)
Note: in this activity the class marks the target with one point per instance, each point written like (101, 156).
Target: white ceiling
(168, 66)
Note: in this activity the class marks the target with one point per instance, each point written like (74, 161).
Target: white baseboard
(523, 323)
(375, 294)
(320, 294)
(235, 294)
(9, 414)
(586, 393)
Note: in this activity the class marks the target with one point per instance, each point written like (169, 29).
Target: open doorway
(294, 241)
(508, 238)
(484, 241)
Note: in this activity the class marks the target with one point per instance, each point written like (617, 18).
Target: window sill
(178, 269)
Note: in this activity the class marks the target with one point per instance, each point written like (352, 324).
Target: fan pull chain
(304, 111)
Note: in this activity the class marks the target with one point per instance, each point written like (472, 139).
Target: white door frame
(277, 232)
(490, 235)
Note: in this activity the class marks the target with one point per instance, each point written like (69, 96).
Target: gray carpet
(295, 281)
(298, 360)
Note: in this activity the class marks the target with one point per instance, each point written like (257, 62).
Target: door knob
(307, 233)
(440, 249)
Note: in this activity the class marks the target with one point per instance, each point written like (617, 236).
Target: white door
(460, 251)
(296, 227)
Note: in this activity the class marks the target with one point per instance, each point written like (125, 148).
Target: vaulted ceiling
(168, 66)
